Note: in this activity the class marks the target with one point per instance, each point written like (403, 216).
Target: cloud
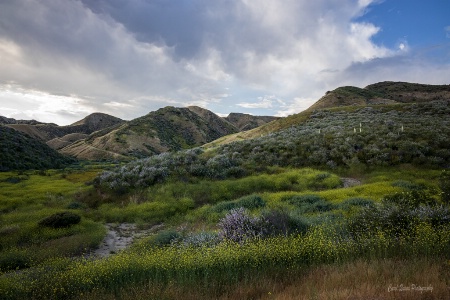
(447, 30)
(263, 102)
(129, 57)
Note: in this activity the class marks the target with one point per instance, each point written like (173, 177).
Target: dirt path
(119, 237)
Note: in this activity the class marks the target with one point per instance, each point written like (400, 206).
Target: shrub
(323, 176)
(200, 239)
(352, 202)
(280, 222)
(75, 205)
(14, 260)
(165, 237)
(435, 215)
(410, 199)
(389, 218)
(397, 219)
(309, 203)
(238, 226)
(251, 202)
(407, 185)
(60, 220)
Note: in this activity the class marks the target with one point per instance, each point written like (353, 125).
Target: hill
(246, 122)
(101, 136)
(166, 129)
(355, 138)
(383, 93)
(46, 132)
(20, 152)
(379, 94)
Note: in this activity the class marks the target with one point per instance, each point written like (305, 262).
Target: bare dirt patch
(119, 237)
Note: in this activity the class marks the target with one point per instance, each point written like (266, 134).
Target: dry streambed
(119, 237)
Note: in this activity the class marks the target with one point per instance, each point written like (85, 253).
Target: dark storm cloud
(127, 57)
(178, 24)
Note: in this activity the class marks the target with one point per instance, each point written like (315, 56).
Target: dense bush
(281, 222)
(309, 203)
(60, 220)
(238, 226)
(165, 237)
(397, 220)
(409, 199)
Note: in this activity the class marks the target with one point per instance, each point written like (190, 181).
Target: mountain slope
(20, 152)
(166, 129)
(49, 131)
(383, 93)
(217, 123)
(378, 94)
(246, 122)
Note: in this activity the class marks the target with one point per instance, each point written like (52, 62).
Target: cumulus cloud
(129, 57)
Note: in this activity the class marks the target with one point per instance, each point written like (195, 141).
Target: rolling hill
(166, 129)
(46, 132)
(20, 152)
(378, 94)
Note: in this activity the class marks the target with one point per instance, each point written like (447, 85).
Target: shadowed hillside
(246, 122)
(20, 152)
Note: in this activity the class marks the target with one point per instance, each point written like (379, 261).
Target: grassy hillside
(166, 129)
(383, 93)
(347, 138)
(20, 152)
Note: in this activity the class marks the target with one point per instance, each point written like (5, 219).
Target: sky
(61, 60)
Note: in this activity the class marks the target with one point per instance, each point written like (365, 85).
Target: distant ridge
(48, 131)
(386, 92)
(246, 122)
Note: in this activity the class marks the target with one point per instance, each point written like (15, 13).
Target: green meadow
(287, 225)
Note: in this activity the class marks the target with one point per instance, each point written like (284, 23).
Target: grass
(360, 279)
(285, 267)
(218, 267)
(28, 197)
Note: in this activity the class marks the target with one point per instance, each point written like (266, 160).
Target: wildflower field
(354, 203)
(288, 225)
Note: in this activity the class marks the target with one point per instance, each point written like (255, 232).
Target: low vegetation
(326, 199)
(21, 152)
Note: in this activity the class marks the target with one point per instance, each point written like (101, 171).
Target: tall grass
(228, 263)
(359, 279)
